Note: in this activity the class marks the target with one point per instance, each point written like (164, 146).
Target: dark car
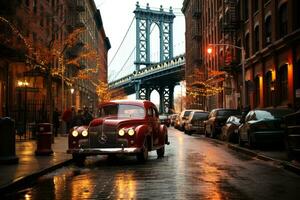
(122, 127)
(292, 134)
(230, 129)
(195, 122)
(216, 119)
(263, 126)
(165, 119)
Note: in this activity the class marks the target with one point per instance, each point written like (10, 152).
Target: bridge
(147, 76)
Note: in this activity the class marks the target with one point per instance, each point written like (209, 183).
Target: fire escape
(230, 27)
(197, 34)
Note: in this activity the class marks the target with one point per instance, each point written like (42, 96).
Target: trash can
(44, 139)
(7, 141)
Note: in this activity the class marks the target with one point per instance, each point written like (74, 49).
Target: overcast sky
(117, 16)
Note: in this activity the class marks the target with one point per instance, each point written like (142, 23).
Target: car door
(156, 126)
(245, 126)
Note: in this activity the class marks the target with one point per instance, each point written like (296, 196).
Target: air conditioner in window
(268, 40)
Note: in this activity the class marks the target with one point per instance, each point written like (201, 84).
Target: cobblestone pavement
(193, 168)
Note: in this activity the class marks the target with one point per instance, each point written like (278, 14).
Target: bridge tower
(145, 17)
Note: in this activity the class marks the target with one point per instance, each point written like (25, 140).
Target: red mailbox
(44, 139)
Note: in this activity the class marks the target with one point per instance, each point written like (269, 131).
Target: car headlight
(131, 132)
(84, 133)
(121, 132)
(75, 133)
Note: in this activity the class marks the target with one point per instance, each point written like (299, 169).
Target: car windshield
(200, 115)
(186, 113)
(271, 114)
(122, 111)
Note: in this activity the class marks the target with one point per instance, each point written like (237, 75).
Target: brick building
(268, 31)
(29, 30)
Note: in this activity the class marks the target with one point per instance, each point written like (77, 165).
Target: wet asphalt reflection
(193, 168)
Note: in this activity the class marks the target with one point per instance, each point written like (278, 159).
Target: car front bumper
(104, 151)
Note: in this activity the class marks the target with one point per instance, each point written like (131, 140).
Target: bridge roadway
(166, 73)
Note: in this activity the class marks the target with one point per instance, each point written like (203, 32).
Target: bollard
(8, 141)
(44, 139)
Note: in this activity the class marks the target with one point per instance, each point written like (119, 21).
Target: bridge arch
(144, 18)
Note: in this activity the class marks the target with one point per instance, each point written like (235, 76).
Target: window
(255, 6)
(42, 16)
(35, 6)
(283, 20)
(283, 78)
(268, 82)
(257, 91)
(247, 46)
(268, 31)
(256, 38)
(245, 10)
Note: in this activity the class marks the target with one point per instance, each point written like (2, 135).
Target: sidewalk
(31, 166)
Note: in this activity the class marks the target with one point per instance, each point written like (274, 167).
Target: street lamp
(209, 51)
(72, 91)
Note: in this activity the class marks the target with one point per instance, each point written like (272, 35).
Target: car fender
(142, 131)
(163, 132)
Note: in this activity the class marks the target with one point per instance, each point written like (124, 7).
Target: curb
(285, 164)
(25, 180)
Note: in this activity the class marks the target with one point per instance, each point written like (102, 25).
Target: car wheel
(241, 142)
(143, 156)
(187, 132)
(161, 152)
(251, 142)
(213, 133)
(205, 133)
(78, 159)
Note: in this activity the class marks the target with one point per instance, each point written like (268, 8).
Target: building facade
(42, 39)
(268, 31)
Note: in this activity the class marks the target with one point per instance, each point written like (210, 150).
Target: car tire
(143, 156)
(78, 159)
(160, 152)
(187, 132)
(213, 133)
(240, 141)
(205, 133)
(251, 142)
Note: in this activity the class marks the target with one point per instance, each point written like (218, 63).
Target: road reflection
(126, 185)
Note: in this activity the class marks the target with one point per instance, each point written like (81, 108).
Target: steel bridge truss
(144, 19)
(166, 94)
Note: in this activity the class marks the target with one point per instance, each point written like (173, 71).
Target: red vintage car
(122, 127)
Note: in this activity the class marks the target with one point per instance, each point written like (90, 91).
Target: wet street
(194, 168)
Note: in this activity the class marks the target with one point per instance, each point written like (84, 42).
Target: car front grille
(102, 137)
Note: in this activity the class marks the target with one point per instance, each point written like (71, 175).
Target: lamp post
(209, 51)
(24, 84)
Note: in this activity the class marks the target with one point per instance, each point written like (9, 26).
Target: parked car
(230, 129)
(165, 119)
(177, 122)
(263, 126)
(173, 118)
(216, 119)
(195, 122)
(122, 127)
(183, 118)
(292, 134)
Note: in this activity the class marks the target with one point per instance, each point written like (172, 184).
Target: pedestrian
(67, 117)
(78, 119)
(55, 121)
(87, 116)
